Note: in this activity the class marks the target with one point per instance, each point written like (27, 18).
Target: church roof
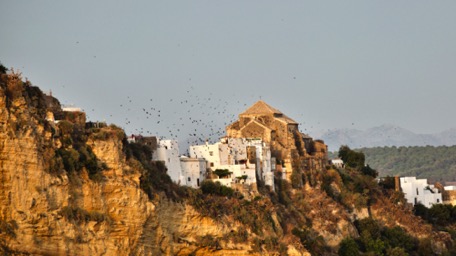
(261, 108)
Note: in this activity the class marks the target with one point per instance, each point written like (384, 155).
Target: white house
(419, 191)
(71, 108)
(215, 154)
(339, 163)
(193, 171)
(168, 151)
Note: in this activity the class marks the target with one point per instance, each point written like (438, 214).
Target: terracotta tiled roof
(260, 107)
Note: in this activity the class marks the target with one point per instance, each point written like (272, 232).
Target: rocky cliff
(70, 190)
(51, 211)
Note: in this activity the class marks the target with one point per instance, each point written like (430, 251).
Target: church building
(290, 147)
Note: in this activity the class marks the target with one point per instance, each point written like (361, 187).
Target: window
(212, 164)
(417, 191)
(198, 182)
(189, 179)
(438, 200)
(211, 153)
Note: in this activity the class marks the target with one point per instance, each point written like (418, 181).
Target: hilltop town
(262, 144)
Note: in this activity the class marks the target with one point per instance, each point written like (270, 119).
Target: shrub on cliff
(311, 240)
(154, 179)
(80, 216)
(378, 239)
(348, 247)
(215, 188)
(441, 215)
(3, 69)
(351, 158)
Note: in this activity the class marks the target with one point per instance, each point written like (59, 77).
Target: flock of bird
(190, 118)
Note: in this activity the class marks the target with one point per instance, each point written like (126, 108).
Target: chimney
(397, 183)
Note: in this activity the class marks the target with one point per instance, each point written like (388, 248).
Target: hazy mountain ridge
(386, 135)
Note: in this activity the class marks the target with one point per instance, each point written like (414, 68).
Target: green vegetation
(356, 160)
(215, 188)
(154, 176)
(351, 158)
(348, 247)
(75, 159)
(3, 69)
(433, 163)
(80, 216)
(313, 242)
(243, 177)
(441, 215)
(255, 215)
(75, 155)
(380, 240)
(110, 132)
(222, 173)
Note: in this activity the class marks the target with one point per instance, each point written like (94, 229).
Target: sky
(186, 69)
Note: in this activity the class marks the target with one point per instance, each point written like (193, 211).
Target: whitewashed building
(244, 158)
(193, 171)
(338, 163)
(419, 191)
(71, 108)
(168, 152)
(182, 170)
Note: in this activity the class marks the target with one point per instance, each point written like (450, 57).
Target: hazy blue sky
(326, 64)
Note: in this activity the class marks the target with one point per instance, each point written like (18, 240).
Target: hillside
(71, 189)
(434, 163)
(385, 136)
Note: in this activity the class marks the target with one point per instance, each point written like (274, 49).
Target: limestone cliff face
(65, 213)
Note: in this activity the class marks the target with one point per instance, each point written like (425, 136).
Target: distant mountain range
(385, 135)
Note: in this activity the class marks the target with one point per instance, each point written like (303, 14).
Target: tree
(215, 188)
(398, 237)
(221, 173)
(367, 170)
(439, 214)
(3, 69)
(351, 158)
(421, 210)
(388, 183)
(348, 247)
